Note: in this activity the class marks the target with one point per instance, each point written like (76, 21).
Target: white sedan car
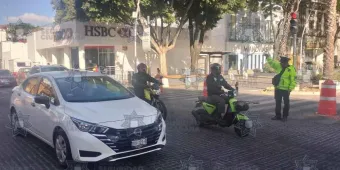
(86, 118)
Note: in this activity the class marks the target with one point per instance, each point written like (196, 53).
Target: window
(31, 85)
(21, 64)
(46, 89)
(92, 89)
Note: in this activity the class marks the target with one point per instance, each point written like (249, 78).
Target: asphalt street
(305, 140)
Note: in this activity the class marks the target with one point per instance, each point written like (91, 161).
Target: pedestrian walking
(284, 82)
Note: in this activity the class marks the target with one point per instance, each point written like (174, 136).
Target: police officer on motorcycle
(215, 82)
(140, 81)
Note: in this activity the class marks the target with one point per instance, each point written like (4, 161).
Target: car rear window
(48, 69)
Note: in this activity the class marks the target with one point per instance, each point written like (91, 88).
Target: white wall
(13, 51)
(3, 35)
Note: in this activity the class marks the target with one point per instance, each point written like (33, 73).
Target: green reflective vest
(288, 79)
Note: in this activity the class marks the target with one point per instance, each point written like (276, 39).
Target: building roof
(3, 26)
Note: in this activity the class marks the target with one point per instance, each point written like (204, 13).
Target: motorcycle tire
(198, 119)
(240, 129)
(161, 106)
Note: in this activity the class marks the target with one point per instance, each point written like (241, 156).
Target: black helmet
(284, 59)
(141, 67)
(216, 68)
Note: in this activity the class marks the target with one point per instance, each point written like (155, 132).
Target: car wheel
(15, 124)
(62, 148)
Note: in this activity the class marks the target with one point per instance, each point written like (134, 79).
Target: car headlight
(89, 127)
(159, 122)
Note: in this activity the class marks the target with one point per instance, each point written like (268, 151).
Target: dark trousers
(279, 95)
(220, 102)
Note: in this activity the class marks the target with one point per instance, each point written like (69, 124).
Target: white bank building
(243, 40)
(87, 44)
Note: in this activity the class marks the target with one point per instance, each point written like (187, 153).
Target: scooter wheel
(197, 118)
(240, 129)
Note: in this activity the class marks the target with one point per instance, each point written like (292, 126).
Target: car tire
(15, 125)
(62, 148)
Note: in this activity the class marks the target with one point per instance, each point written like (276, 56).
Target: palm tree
(328, 59)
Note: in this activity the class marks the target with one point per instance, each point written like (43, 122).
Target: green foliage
(207, 13)
(13, 27)
(266, 6)
(67, 10)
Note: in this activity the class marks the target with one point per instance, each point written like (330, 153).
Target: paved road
(273, 145)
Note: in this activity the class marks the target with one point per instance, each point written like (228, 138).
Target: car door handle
(33, 104)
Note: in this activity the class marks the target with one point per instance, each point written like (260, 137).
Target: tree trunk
(286, 24)
(284, 38)
(328, 58)
(195, 50)
(163, 63)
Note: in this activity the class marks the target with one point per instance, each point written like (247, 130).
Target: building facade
(110, 45)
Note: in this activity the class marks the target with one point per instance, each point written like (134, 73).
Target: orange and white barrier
(327, 104)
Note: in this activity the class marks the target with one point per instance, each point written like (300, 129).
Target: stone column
(82, 57)
(67, 56)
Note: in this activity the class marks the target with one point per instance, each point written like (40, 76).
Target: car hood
(113, 113)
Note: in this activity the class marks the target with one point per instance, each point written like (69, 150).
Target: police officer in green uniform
(284, 83)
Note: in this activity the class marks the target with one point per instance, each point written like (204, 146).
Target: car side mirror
(42, 100)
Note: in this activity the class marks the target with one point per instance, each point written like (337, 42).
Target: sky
(36, 12)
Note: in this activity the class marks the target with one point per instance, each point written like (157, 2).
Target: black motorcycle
(204, 111)
(152, 94)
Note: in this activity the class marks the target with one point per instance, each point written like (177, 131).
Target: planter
(335, 81)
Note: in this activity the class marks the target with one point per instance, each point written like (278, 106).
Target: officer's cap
(284, 59)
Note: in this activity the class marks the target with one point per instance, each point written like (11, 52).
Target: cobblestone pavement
(305, 138)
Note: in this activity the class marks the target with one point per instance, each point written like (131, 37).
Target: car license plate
(139, 143)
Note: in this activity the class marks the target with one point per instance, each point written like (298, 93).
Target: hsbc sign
(100, 31)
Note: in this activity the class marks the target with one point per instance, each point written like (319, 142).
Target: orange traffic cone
(205, 91)
(327, 104)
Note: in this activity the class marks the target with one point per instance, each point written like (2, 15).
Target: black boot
(276, 118)
(284, 119)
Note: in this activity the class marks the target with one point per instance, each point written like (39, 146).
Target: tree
(15, 35)
(288, 6)
(328, 59)
(68, 10)
(204, 16)
(162, 13)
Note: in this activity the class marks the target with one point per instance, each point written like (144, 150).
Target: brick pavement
(276, 145)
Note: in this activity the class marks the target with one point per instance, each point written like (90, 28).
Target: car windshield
(5, 73)
(91, 89)
(48, 69)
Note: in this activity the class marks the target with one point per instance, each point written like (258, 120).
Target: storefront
(87, 44)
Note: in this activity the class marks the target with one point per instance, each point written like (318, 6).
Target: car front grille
(126, 136)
